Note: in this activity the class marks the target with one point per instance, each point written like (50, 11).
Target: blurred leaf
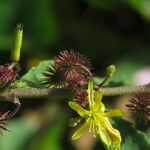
(53, 136)
(124, 75)
(132, 139)
(8, 10)
(97, 80)
(43, 24)
(141, 6)
(34, 76)
(110, 83)
(126, 69)
(21, 131)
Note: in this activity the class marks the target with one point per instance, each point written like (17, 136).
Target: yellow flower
(96, 119)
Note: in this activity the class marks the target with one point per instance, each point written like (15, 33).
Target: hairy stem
(64, 93)
(125, 90)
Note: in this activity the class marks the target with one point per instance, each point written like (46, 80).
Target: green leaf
(34, 76)
(132, 139)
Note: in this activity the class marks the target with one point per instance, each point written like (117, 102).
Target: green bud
(110, 70)
(74, 121)
(15, 52)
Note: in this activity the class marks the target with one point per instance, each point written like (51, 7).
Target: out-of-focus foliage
(52, 137)
(131, 138)
(142, 7)
(109, 29)
(22, 130)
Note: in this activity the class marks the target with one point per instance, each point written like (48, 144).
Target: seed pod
(8, 74)
(75, 81)
(70, 63)
(15, 53)
(81, 97)
(140, 107)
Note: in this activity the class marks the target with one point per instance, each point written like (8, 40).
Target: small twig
(104, 81)
(13, 100)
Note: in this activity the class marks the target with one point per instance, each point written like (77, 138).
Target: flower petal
(114, 113)
(104, 136)
(110, 136)
(80, 110)
(98, 97)
(80, 131)
(90, 94)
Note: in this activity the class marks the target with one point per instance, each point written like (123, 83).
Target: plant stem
(64, 93)
(38, 93)
(125, 90)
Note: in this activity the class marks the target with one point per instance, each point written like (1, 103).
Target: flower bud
(110, 70)
(15, 53)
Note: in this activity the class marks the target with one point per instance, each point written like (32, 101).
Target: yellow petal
(102, 107)
(80, 110)
(98, 97)
(103, 135)
(90, 94)
(80, 131)
(110, 136)
(114, 113)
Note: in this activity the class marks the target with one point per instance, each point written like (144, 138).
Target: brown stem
(65, 93)
(15, 101)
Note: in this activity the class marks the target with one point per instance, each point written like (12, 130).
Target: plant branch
(37, 93)
(126, 90)
(64, 93)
